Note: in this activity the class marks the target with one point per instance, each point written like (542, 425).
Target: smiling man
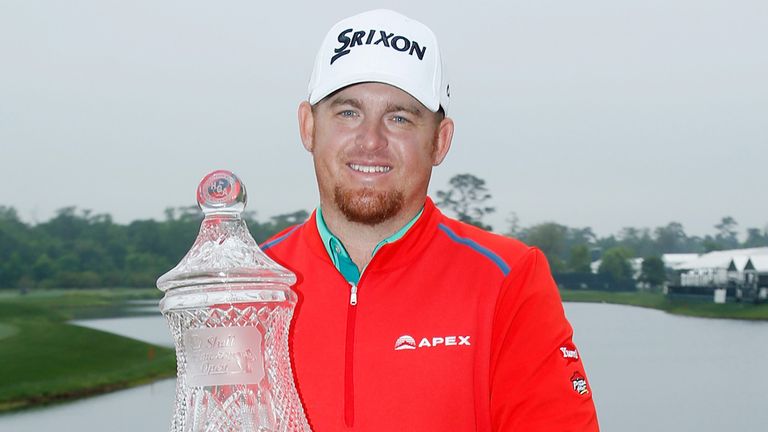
(374, 147)
(407, 319)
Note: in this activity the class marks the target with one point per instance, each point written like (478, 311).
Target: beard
(368, 206)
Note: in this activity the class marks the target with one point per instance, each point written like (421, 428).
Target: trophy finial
(221, 192)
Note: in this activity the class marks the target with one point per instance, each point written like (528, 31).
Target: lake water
(649, 371)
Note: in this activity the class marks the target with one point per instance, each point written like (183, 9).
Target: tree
(671, 238)
(43, 268)
(466, 199)
(615, 263)
(11, 270)
(653, 272)
(711, 244)
(514, 225)
(15, 248)
(639, 240)
(550, 237)
(726, 233)
(579, 260)
(756, 238)
(283, 221)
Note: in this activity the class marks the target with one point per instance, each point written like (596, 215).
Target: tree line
(77, 248)
(571, 250)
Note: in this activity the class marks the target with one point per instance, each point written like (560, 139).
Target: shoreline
(47, 360)
(700, 308)
(31, 403)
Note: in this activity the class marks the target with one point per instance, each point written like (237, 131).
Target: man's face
(373, 147)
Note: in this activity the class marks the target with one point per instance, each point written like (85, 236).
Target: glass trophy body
(229, 308)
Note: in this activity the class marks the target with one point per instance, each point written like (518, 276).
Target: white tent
(719, 268)
(674, 260)
(760, 263)
(722, 259)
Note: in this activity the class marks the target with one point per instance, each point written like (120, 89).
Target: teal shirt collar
(338, 253)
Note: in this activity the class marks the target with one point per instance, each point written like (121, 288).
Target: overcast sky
(598, 113)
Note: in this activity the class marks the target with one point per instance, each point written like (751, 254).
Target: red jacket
(454, 329)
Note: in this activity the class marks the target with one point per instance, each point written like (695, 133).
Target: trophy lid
(224, 251)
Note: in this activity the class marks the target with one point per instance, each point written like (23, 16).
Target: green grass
(698, 308)
(44, 359)
(7, 330)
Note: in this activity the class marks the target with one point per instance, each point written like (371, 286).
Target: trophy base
(234, 371)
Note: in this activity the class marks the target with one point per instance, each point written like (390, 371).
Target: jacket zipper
(349, 387)
(349, 384)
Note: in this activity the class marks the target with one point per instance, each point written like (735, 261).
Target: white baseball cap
(381, 46)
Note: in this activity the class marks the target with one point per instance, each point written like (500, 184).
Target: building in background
(735, 274)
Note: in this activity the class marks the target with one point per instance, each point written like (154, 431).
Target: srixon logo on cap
(350, 38)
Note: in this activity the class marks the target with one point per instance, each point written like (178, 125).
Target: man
(407, 319)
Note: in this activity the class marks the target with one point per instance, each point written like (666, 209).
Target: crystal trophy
(229, 308)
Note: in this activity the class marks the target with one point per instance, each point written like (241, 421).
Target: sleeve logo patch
(579, 383)
(570, 353)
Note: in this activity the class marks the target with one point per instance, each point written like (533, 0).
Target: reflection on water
(653, 371)
(147, 408)
(151, 329)
(648, 371)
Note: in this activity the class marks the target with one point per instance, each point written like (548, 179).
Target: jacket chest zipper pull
(353, 295)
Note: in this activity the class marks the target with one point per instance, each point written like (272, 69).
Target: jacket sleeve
(537, 380)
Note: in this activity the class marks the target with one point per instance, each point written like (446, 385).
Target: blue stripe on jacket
(479, 248)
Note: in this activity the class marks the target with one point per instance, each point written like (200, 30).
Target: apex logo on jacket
(407, 342)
